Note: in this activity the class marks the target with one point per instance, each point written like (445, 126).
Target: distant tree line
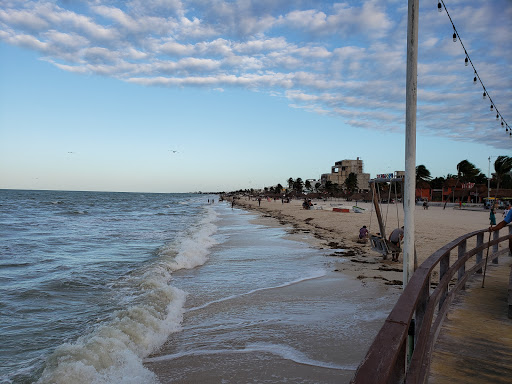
(467, 172)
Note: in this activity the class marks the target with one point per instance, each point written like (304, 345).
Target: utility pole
(410, 139)
(489, 181)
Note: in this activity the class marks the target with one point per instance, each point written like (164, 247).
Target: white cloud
(23, 19)
(174, 48)
(28, 41)
(344, 59)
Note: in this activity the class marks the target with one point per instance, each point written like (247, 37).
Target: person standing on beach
(492, 216)
(259, 201)
(395, 238)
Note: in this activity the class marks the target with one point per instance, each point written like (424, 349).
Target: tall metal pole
(410, 139)
(489, 181)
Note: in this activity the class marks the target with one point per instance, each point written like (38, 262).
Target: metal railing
(401, 351)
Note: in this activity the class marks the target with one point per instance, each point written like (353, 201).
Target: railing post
(510, 240)
(444, 264)
(479, 255)
(462, 269)
(495, 235)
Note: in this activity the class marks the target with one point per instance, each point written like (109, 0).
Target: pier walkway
(475, 341)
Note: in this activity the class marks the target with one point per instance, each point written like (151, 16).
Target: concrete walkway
(475, 342)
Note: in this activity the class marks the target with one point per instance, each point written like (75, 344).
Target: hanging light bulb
(466, 61)
(439, 7)
(484, 95)
(474, 80)
(454, 37)
(497, 116)
(492, 107)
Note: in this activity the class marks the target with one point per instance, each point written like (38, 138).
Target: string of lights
(476, 79)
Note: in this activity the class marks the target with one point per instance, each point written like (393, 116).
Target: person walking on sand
(259, 201)
(395, 238)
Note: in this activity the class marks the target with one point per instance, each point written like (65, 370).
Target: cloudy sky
(176, 95)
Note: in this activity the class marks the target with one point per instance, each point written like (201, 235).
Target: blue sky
(96, 95)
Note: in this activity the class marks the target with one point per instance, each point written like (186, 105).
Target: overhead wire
(468, 61)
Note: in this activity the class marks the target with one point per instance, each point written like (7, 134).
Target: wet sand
(317, 330)
(326, 228)
(312, 328)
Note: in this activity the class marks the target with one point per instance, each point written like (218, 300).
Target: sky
(185, 96)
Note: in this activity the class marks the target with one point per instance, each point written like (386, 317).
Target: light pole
(410, 139)
(489, 180)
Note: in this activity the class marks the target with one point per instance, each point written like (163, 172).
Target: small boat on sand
(357, 209)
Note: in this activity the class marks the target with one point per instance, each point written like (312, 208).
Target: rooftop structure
(341, 169)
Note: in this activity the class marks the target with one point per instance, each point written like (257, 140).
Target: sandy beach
(435, 227)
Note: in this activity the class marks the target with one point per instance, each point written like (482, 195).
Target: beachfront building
(340, 171)
(399, 174)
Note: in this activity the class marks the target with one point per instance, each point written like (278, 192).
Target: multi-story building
(341, 169)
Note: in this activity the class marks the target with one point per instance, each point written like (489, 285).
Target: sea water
(147, 288)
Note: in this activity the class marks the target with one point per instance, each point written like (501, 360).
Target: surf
(114, 351)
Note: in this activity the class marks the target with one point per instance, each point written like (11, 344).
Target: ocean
(101, 287)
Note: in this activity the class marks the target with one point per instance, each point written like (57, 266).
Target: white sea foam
(284, 351)
(114, 351)
(192, 250)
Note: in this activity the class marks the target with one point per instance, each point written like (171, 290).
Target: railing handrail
(386, 358)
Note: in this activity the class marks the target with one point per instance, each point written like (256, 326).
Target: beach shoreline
(324, 228)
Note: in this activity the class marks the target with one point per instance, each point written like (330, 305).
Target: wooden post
(510, 240)
(462, 269)
(444, 265)
(411, 92)
(495, 235)
(382, 229)
(479, 255)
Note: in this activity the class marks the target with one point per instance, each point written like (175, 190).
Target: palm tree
(467, 172)
(307, 185)
(298, 185)
(279, 188)
(290, 183)
(502, 166)
(422, 174)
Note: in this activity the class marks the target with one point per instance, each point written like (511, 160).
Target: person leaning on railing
(503, 223)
